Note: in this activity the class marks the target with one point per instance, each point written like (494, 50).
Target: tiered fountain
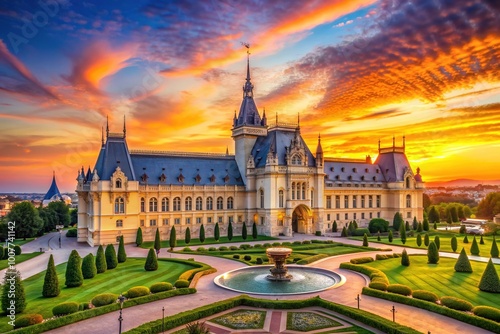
(278, 256)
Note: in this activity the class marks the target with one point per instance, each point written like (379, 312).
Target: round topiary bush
(236, 256)
(456, 303)
(257, 246)
(306, 242)
(233, 248)
(187, 249)
(104, 299)
(400, 289)
(267, 244)
(212, 249)
(378, 286)
(28, 320)
(17, 250)
(276, 244)
(295, 243)
(425, 295)
(201, 249)
(286, 243)
(181, 283)
(65, 308)
(247, 258)
(223, 248)
(72, 233)
(160, 287)
(259, 260)
(84, 306)
(487, 312)
(245, 246)
(138, 291)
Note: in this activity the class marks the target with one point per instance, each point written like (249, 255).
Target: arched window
(119, 205)
(312, 198)
(220, 203)
(408, 182)
(177, 204)
(408, 201)
(143, 205)
(262, 199)
(296, 160)
(298, 191)
(118, 183)
(303, 191)
(230, 203)
(119, 223)
(188, 204)
(210, 203)
(153, 205)
(164, 204)
(199, 204)
(281, 202)
(293, 190)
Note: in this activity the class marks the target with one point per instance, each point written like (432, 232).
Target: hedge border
(182, 318)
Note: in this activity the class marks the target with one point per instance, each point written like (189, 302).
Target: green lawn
(21, 242)
(208, 241)
(439, 278)
(19, 258)
(118, 280)
(445, 240)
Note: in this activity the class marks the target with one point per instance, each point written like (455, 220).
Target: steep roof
(53, 190)
(113, 154)
(393, 165)
(352, 171)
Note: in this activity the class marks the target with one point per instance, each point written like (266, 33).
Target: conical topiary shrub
(244, 231)
(157, 243)
(405, 259)
(111, 260)
(230, 231)
(187, 236)
(100, 260)
(51, 283)
(426, 240)
(466, 240)
(432, 253)
(344, 232)
(419, 240)
(463, 263)
(390, 236)
(402, 233)
(474, 248)
(494, 248)
(334, 226)
(13, 294)
(481, 241)
(489, 280)
(454, 244)
(138, 237)
(365, 240)
(217, 232)
(437, 241)
(74, 276)
(122, 255)
(151, 261)
(89, 269)
(202, 233)
(173, 238)
(254, 231)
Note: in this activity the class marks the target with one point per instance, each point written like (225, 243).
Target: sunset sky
(356, 70)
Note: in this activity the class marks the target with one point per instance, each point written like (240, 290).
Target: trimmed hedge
(312, 259)
(65, 308)
(361, 260)
(104, 299)
(181, 283)
(383, 256)
(138, 291)
(160, 287)
(456, 303)
(487, 312)
(378, 286)
(28, 320)
(72, 233)
(400, 289)
(425, 295)
(359, 232)
(374, 274)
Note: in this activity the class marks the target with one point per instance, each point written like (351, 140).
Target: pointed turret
(53, 193)
(248, 115)
(124, 127)
(107, 127)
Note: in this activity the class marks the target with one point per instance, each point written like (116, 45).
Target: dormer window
(362, 177)
(212, 178)
(366, 170)
(118, 183)
(296, 160)
(374, 178)
(144, 177)
(342, 169)
(350, 177)
(377, 171)
(226, 178)
(197, 178)
(163, 177)
(354, 170)
(332, 169)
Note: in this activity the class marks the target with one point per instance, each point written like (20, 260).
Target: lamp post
(60, 235)
(163, 319)
(121, 299)
(358, 299)
(393, 310)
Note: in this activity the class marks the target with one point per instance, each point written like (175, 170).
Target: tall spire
(102, 135)
(124, 127)
(107, 126)
(248, 87)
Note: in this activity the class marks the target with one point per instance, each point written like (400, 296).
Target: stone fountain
(279, 272)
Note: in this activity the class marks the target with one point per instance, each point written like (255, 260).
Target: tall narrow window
(354, 201)
(118, 183)
(262, 199)
(408, 201)
(230, 203)
(199, 204)
(370, 201)
(177, 204)
(362, 201)
(143, 204)
(337, 202)
(188, 204)
(281, 201)
(312, 199)
(119, 205)
(153, 204)
(408, 182)
(210, 203)
(164, 204)
(328, 202)
(378, 201)
(220, 203)
(293, 190)
(303, 191)
(346, 201)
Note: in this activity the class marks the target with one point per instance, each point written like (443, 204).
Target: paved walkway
(208, 292)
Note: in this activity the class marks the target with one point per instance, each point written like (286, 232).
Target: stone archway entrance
(300, 218)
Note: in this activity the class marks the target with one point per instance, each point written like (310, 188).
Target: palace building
(273, 179)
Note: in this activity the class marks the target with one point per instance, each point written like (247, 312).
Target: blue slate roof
(53, 190)
(393, 165)
(279, 139)
(346, 171)
(113, 154)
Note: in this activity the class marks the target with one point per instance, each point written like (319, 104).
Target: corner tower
(248, 125)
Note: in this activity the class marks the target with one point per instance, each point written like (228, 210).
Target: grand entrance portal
(300, 218)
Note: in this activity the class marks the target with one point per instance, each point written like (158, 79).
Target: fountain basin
(254, 280)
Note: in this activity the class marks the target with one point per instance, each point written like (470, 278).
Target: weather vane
(247, 45)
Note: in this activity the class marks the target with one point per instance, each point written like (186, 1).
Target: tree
(463, 229)
(217, 232)
(489, 206)
(344, 232)
(449, 218)
(13, 296)
(397, 221)
(454, 244)
(402, 233)
(405, 259)
(365, 240)
(244, 231)
(28, 221)
(420, 227)
(50, 282)
(435, 226)
(122, 255)
(474, 248)
(425, 224)
(73, 216)
(334, 226)
(419, 240)
(111, 260)
(463, 264)
(173, 238)
(187, 236)
(454, 213)
(426, 240)
(89, 269)
(49, 219)
(437, 242)
(378, 225)
(351, 228)
(151, 261)
(100, 260)
(74, 275)
(202, 233)
(481, 241)
(138, 238)
(489, 280)
(432, 253)
(61, 212)
(157, 244)
(494, 248)
(254, 231)
(230, 231)
(467, 211)
(433, 215)
(466, 240)
(407, 226)
(426, 201)
(460, 212)
(415, 223)
(390, 236)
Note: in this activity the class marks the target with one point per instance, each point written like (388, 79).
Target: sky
(357, 71)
